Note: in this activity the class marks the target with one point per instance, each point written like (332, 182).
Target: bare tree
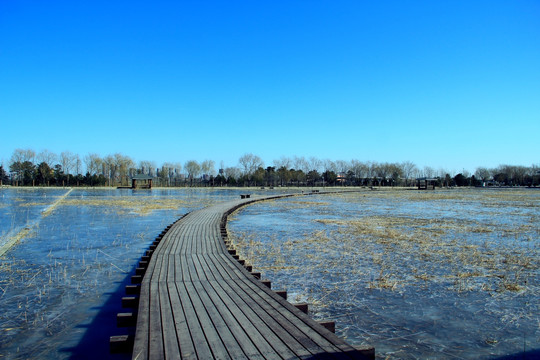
(208, 167)
(428, 172)
(359, 169)
(518, 174)
(441, 173)
(250, 163)
(47, 157)
(329, 165)
(121, 164)
(232, 172)
(93, 163)
(300, 163)
(342, 166)
(370, 169)
(381, 170)
(108, 168)
(315, 164)
(78, 164)
(409, 168)
(193, 170)
(67, 160)
(395, 172)
(22, 155)
(282, 162)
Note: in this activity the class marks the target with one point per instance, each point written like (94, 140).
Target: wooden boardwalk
(198, 302)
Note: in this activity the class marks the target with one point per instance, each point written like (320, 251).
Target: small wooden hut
(141, 181)
(425, 183)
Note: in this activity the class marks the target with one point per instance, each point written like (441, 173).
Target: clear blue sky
(447, 84)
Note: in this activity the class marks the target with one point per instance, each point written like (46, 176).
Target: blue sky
(446, 84)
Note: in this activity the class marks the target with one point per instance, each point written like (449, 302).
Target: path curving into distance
(197, 301)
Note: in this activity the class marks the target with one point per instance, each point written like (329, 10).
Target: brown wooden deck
(198, 302)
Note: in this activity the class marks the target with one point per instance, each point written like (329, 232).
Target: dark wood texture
(198, 302)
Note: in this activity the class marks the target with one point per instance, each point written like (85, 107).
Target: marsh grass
(55, 278)
(139, 205)
(384, 263)
(388, 240)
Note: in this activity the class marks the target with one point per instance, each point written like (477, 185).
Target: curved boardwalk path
(198, 302)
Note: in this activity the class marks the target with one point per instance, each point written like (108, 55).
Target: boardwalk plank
(218, 348)
(141, 341)
(183, 268)
(202, 346)
(247, 310)
(155, 329)
(237, 343)
(259, 299)
(203, 266)
(170, 341)
(257, 289)
(260, 334)
(197, 302)
(187, 349)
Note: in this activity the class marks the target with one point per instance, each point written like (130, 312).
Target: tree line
(28, 168)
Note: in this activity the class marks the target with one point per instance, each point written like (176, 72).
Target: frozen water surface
(61, 284)
(417, 274)
(21, 208)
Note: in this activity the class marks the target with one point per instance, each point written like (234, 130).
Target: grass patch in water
(386, 264)
(139, 205)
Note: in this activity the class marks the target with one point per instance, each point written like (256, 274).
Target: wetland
(418, 274)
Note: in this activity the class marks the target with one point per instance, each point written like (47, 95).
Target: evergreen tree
(3, 176)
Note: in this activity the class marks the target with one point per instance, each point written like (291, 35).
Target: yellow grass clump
(139, 205)
(414, 250)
